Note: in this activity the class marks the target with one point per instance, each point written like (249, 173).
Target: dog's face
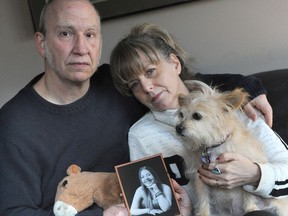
(206, 116)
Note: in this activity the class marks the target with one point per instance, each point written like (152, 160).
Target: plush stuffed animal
(79, 190)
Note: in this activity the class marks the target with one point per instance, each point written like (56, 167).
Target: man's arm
(227, 82)
(253, 85)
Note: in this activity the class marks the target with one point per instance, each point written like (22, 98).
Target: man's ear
(39, 39)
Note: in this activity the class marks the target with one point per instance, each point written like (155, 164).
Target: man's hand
(116, 210)
(260, 103)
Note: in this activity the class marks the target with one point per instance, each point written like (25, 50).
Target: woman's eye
(150, 71)
(133, 85)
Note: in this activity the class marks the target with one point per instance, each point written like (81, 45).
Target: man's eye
(90, 35)
(65, 34)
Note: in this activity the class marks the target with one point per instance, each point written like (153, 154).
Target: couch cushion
(276, 83)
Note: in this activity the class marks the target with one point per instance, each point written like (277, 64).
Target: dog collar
(206, 153)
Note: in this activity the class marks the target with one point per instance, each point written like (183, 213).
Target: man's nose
(80, 45)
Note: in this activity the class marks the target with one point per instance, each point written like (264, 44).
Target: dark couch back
(276, 83)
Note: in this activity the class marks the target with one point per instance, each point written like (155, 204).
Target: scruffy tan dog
(209, 126)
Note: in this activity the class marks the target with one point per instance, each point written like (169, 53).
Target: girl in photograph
(152, 197)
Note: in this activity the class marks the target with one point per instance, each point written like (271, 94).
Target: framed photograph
(146, 187)
(110, 8)
(115, 8)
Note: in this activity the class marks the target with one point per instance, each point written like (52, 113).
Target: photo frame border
(135, 165)
(110, 9)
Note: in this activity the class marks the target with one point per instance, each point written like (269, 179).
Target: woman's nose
(147, 85)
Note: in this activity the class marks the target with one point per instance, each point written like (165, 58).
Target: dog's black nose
(179, 129)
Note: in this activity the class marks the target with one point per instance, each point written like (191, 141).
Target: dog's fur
(207, 118)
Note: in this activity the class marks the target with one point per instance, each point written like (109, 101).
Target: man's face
(73, 41)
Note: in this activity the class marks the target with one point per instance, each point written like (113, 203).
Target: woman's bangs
(131, 63)
(133, 66)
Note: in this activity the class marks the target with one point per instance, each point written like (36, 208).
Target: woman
(152, 197)
(147, 64)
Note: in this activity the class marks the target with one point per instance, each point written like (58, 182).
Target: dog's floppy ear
(236, 98)
(198, 86)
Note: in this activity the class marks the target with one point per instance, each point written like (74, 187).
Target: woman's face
(159, 85)
(147, 178)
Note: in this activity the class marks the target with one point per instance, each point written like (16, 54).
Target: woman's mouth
(148, 181)
(156, 97)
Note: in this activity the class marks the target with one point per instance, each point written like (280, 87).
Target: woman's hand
(261, 103)
(155, 211)
(183, 199)
(154, 189)
(236, 170)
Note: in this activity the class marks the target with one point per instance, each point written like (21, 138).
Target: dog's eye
(197, 116)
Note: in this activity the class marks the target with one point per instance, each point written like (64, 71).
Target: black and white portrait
(146, 187)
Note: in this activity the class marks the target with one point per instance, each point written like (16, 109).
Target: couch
(276, 83)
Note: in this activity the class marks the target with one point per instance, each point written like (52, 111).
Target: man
(68, 114)
(57, 114)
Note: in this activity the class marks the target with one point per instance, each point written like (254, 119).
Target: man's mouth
(79, 63)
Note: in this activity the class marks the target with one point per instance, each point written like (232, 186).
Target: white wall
(224, 36)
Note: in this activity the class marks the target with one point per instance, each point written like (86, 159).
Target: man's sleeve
(228, 82)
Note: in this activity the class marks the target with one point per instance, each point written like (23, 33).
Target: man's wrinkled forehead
(74, 12)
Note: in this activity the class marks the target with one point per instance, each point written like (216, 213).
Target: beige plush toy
(79, 190)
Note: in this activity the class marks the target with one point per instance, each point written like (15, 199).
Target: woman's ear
(39, 39)
(174, 59)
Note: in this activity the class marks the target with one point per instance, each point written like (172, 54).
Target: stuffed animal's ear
(236, 98)
(195, 85)
(73, 169)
